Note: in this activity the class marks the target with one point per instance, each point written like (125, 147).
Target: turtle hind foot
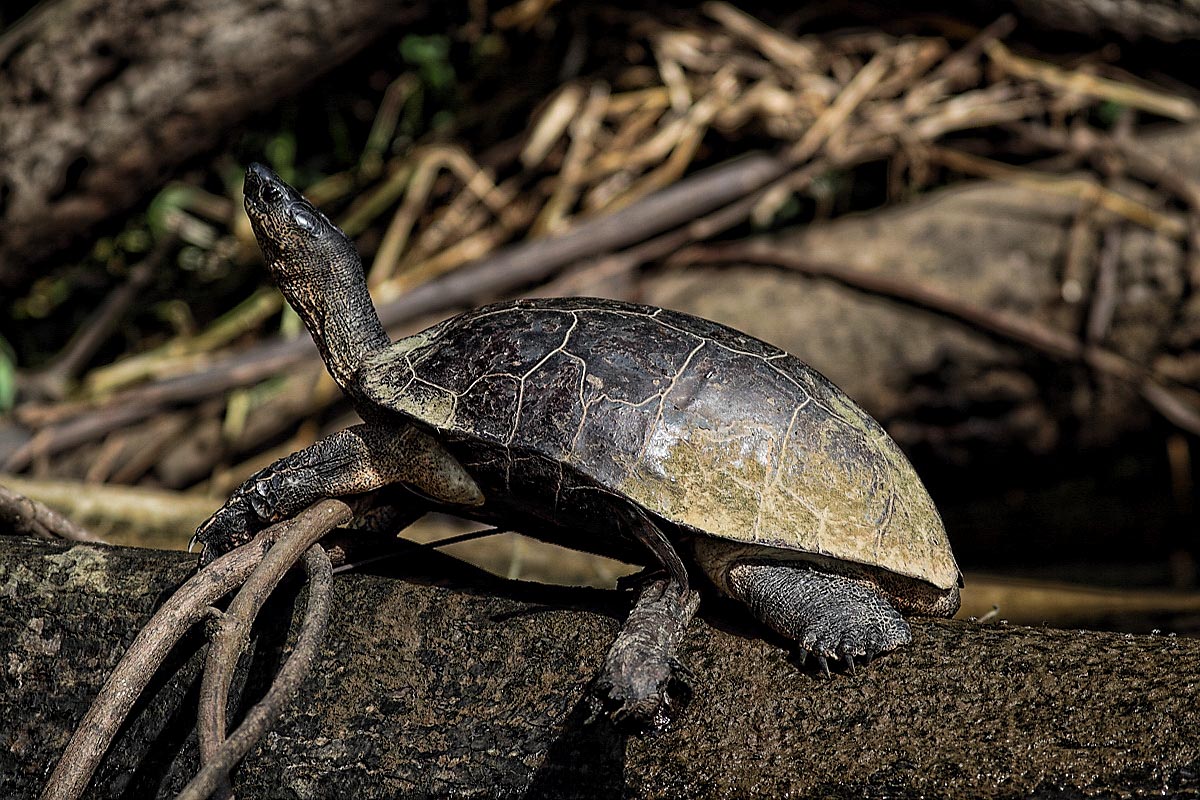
(831, 617)
(643, 685)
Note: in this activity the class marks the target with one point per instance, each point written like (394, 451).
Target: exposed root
(222, 756)
(233, 630)
(187, 606)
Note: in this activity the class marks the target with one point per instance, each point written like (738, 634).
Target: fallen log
(103, 100)
(477, 688)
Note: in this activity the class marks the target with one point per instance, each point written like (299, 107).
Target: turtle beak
(264, 190)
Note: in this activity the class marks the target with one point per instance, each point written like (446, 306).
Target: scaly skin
(643, 680)
(827, 615)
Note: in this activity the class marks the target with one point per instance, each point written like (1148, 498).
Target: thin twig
(216, 768)
(1168, 105)
(1080, 251)
(406, 547)
(127, 511)
(1063, 185)
(1104, 288)
(834, 117)
(823, 96)
(1139, 161)
(187, 606)
(84, 428)
(174, 356)
(23, 516)
(957, 64)
(54, 379)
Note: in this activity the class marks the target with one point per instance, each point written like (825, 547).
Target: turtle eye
(307, 221)
(271, 194)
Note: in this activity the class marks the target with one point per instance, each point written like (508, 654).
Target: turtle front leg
(827, 615)
(350, 462)
(641, 673)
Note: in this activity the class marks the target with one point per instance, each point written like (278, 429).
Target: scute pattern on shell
(702, 425)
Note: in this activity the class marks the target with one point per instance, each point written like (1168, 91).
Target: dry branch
(25, 516)
(503, 272)
(479, 691)
(121, 514)
(1003, 248)
(835, 100)
(1021, 330)
(1167, 20)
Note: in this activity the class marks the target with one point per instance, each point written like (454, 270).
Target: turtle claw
(849, 662)
(824, 663)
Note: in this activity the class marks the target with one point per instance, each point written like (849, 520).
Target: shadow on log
(479, 690)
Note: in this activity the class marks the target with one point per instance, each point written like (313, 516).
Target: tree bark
(478, 690)
(102, 100)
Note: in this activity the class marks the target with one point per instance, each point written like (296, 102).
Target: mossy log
(476, 687)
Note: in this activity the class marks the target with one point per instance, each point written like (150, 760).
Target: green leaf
(281, 152)
(431, 56)
(8, 376)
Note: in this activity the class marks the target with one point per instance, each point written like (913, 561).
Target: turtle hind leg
(641, 683)
(827, 615)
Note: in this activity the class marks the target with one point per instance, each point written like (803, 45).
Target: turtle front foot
(268, 496)
(831, 617)
(232, 525)
(643, 684)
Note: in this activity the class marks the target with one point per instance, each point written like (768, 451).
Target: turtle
(640, 433)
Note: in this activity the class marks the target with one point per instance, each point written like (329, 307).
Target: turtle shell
(704, 426)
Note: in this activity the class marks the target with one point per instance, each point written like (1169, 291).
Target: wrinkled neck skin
(336, 308)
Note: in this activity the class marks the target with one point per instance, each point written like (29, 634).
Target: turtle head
(317, 270)
(299, 243)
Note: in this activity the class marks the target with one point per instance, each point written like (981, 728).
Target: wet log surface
(478, 689)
